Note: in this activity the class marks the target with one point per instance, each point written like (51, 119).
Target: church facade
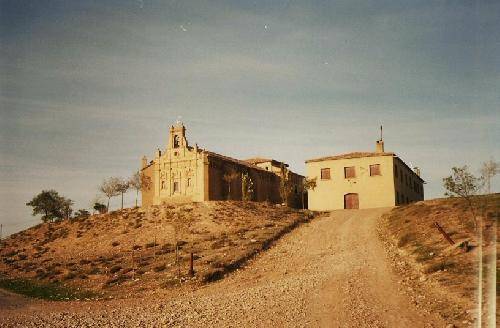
(184, 173)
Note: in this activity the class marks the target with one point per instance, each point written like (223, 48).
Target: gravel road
(332, 272)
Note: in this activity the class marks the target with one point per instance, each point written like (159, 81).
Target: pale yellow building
(184, 173)
(362, 180)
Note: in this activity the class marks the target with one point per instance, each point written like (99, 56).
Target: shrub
(95, 270)
(159, 268)
(136, 247)
(116, 280)
(406, 238)
(217, 244)
(151, 244)
(439, 266)
(69, 276)
(115, 269)
(126, 270)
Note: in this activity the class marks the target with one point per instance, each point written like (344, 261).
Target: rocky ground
(331, 272)
(126, 253)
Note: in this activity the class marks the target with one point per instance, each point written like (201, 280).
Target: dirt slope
(331, 272)
(429, 262)
(132, 252)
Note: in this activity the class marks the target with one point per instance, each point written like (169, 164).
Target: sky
(89, 87)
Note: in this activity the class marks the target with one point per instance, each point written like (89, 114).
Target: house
(362, 180)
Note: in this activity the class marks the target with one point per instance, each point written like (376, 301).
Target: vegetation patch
(47, 291)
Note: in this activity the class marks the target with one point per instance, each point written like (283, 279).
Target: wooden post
(154, 250)
(191, 268)
(177, 259)
(445, 235)
(133, 266)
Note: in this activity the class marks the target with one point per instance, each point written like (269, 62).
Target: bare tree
(109, 187)
(307, 184)
(465, 185)
(246, 187)
(488, 170)
(181, 224)
(122, 187)
(229, 177)
(135, 182)
(66, 208)
(285, 184)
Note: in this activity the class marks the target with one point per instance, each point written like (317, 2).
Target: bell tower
(177, 138)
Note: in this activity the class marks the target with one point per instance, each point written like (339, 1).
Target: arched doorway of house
(351, 201)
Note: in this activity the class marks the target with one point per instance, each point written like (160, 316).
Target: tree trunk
(303, 195)
(122, 200)
(107, 207)
(229, 191)
(136, 196)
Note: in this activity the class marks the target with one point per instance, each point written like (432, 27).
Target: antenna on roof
(381, 133)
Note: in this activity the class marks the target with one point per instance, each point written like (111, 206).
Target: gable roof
(350, 155)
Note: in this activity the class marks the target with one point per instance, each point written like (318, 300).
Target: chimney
(416, 170)
(379, 147)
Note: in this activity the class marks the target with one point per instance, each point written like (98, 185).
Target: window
(375, 169)
(176, 141)
(176, 186)
(189, 182)
(349, 172)
(163, 185)
(325, 174)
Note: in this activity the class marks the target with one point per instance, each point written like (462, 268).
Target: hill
(431, 263)
(133, 251)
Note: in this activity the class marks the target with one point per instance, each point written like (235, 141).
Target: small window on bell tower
(176, 141)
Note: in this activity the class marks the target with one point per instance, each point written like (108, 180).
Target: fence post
(191, 267)
(445, 235)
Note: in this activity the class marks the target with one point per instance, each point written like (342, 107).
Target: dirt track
(332, 272)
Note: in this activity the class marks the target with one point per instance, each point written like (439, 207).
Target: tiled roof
(257, 160)
(237, 161)
(350, 155)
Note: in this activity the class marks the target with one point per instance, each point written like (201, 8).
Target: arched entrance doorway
(351, 201)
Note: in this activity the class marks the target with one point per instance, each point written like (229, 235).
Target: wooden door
(351, 201)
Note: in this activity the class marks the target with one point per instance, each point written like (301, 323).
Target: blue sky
(88, 87)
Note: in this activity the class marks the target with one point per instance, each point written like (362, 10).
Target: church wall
(185, 174)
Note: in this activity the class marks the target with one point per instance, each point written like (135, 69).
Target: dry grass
(104, 252)
(413, 231)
